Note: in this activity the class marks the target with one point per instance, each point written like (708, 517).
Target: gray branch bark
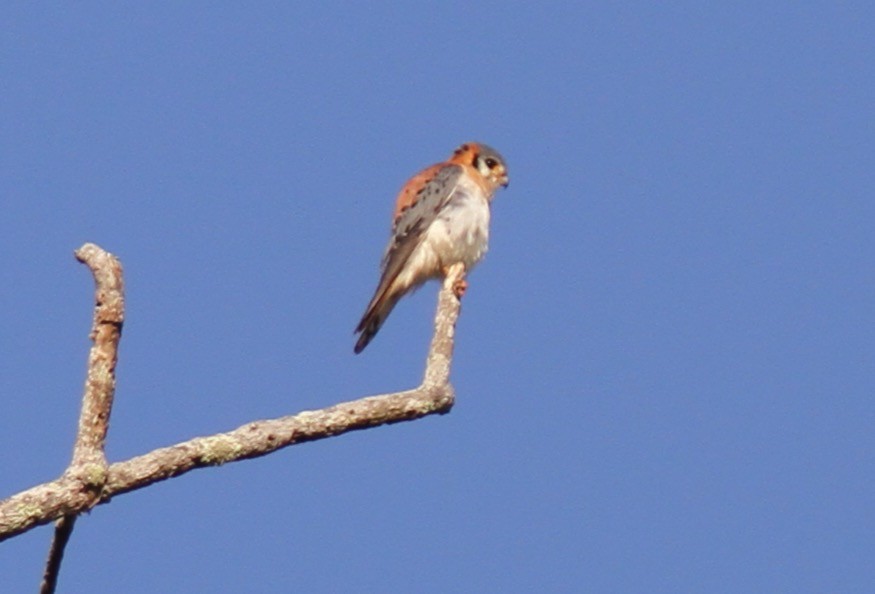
(89, 481)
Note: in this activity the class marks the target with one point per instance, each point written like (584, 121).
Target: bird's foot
(454, 279)
(459, 287)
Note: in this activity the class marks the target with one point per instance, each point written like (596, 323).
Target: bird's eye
(491, 163)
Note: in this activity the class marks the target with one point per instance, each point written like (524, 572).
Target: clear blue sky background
(664, 366)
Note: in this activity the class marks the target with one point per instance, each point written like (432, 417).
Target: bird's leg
(456, 275)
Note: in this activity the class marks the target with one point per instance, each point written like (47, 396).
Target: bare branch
(49, 501)
(63, 530)
(109, 315)
(440, 355)
(88, 467)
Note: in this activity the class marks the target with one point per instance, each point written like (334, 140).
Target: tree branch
(88, 466)
(63, 530)
(106, 330)
(65, 496)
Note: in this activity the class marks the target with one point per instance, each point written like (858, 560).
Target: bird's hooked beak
(498, 176)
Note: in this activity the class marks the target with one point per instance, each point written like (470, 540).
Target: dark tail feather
(373, 319)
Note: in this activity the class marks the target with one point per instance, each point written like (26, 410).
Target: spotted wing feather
(415, 214)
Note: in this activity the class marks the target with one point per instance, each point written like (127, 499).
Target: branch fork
(90, 480)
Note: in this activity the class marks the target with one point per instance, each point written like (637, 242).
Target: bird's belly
(461, 232)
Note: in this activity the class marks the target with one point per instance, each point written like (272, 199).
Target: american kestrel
(441, 218)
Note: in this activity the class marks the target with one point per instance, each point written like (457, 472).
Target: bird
(441, 218)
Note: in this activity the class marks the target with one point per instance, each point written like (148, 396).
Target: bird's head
(484, 159)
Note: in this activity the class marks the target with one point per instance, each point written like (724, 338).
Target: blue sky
(664, 367)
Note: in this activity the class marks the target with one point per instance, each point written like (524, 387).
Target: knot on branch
(90, 479)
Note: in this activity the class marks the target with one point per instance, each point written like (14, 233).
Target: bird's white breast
(459, 233)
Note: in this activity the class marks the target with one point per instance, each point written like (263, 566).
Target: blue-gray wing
(419, 204)
(416, 216)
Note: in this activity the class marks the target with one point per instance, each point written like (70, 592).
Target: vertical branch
(88, 466)
(63, 530)
(440, 353)
(109, 314)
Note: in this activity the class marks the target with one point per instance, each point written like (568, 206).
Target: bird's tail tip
(360, 344)
(368, 328)
(372, 321)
